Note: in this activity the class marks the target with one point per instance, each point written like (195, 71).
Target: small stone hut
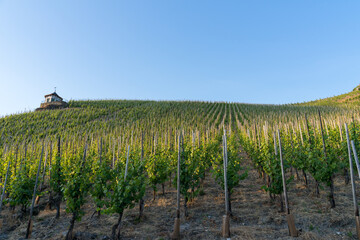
(52, 101)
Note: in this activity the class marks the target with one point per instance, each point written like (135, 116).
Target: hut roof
(54, 94)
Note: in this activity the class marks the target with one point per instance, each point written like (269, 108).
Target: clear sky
(239, 51)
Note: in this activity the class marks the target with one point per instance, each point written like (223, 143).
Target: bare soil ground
(255, 215)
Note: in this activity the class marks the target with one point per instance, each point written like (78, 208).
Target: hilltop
(350, 98)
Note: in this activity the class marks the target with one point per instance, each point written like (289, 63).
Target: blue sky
(239, 51)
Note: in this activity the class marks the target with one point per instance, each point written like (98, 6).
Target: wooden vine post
(176, 233)
(353, 187)
(30, 224)
(127, 162)
(100, 162)
(141, 203)
(100, 150)
(37, 200)
(226, 217)
(289, 217)
(44, 172)
(307, 129)
(331, 195)
(275, 147)
(4, 188)
(356, 157)
(356, 206)
(59, 194)
(6, 177)
(50, 200)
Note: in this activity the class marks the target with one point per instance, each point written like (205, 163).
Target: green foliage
(158, 167)
(77, 187)
(124, 193)
(192, 169)
(57, 178)
(100, 179)
(322, 167)
(233, 168)
(22, 189)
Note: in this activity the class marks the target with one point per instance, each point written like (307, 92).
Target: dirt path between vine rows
(255, 215)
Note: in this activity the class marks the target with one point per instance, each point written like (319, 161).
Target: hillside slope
(95, 144)
(350, 98)
(116, 117)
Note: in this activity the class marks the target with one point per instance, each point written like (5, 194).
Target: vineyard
(116, 169)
